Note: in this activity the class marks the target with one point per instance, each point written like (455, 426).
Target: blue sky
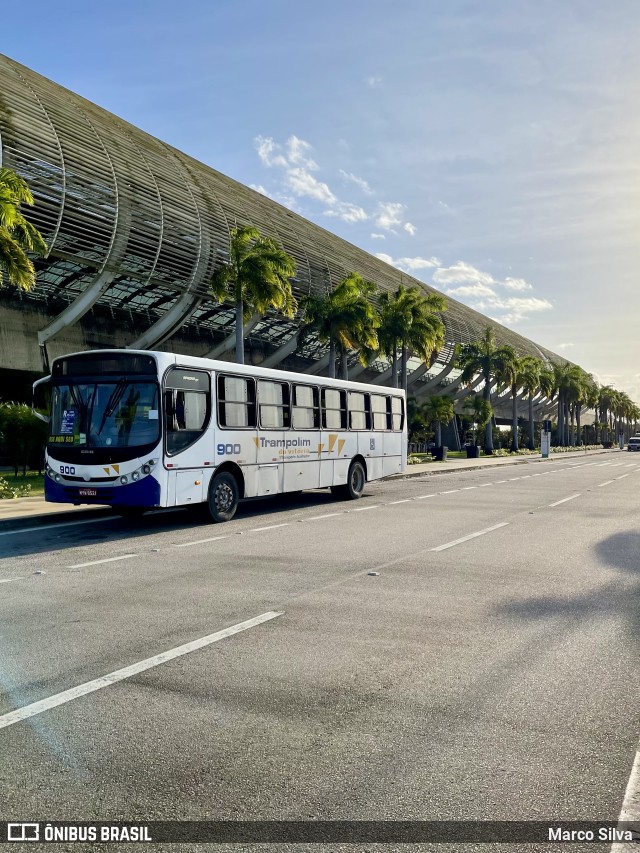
(490, 148)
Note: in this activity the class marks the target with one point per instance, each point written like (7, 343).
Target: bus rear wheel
(224, 495)
(354, 487)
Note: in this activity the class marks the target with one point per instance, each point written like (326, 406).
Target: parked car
(634, 443)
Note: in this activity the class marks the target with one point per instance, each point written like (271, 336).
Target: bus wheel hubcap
(356, 480)
(224, 497)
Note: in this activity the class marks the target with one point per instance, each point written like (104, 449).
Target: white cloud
(375, 236)
(516, 284)
(389, 214)
(563, 346)
(347, 212)
(297, 152)
(260, 189)
(360, 182)
(460, 273)
(479, 290)
(409, 264)
(304, 184)
(374, 82)
(294, 158)
(267, 148)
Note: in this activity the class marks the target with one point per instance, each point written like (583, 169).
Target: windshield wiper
(114, 399)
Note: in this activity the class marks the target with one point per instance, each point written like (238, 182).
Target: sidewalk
(29, 512)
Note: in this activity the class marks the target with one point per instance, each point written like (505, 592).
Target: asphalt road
(399, 673)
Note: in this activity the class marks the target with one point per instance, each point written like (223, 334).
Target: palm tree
(530, 377)
(255, 278)
(345, 318)
(481, 412)
(486, 358)
(436, 410)
(17, 235)
(509, 372)
(409, 325)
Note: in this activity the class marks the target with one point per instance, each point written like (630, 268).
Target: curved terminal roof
(135, 224)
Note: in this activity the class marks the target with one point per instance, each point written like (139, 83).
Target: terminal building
(135, 229)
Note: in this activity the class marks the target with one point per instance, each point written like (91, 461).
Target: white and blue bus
(136, 430)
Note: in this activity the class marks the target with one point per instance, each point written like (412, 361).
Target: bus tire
(224, 494)
(356, 480)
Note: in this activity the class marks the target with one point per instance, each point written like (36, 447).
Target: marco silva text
(602, 833)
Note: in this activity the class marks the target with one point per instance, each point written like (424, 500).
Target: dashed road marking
(327, 515)
(269, 527)
(198, 542)
(9, 580)
(105, 560)
(422, 497)
(365, 508)
(403, 501)
(55, 526)
(450, 492)
(606, 483)
(470, 536)
(128, 671)
(630, 812)
(622, 476)
(564, 500)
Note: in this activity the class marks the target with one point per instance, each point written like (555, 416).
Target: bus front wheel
(224, 495)
(355, 484)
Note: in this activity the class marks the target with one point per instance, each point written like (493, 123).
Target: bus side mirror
(42, 399)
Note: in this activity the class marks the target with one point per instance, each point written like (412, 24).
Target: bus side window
(236, 402)
(397, 414)
(187, 407)
(334, 409)
(380, 406)
(359, 411)
(273, 399)
(305, 412)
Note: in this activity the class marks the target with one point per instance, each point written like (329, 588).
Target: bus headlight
(57, 477)
(124, 480)
(146, 469)
(135, 475)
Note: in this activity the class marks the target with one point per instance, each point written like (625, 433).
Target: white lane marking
(470, 536)
(9, 580)
(525, 476)
(97, 562)
(504, 481)
(328, 515)
(269, 527)
(602, 464)
(482, 485)
(422, 497)
(55, 526)
(517, 478)
(364, 508)
(630, 811)
(537, 475)
(450, 492)
(127, 671)
(466, 488)
(622, 476)
(403, 501)
(630, 465)
(606, 483)
(198, 542)
(564, 500)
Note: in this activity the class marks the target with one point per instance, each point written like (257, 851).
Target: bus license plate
(87, 493)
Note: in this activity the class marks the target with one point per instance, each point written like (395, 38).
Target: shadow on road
(619, 597)
(53, 538)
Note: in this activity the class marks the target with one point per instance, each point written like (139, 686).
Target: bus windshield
(115, 413)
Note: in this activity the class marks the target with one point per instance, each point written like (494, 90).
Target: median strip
(126, 672)
(469, 536)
